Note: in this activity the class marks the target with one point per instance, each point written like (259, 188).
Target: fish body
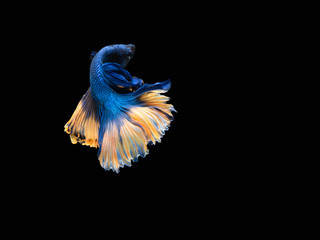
(119, 114)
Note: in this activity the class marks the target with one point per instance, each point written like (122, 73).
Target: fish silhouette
(119, 114)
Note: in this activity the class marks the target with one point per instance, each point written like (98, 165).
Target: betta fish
(119, 114)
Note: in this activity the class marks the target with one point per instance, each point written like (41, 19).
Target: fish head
(119, 53)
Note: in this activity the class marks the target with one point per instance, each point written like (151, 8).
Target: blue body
(107, 76)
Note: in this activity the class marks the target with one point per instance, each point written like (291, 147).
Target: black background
(196, 149)
(163, 51)
(154, 61)
(206, 165)
(200, 152)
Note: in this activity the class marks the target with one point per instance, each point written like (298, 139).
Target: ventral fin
(92, 54)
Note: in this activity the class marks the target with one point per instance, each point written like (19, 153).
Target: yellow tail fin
(126, 138)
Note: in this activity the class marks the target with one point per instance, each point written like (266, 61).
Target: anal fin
(84, 123)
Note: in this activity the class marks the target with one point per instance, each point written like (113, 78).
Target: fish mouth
(132, 47)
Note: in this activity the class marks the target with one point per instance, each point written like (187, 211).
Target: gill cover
(119, 114)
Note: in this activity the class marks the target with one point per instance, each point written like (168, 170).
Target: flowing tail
(122, 135)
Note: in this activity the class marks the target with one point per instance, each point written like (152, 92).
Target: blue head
(118, 53)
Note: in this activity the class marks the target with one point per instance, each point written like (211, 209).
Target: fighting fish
(119, 114)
